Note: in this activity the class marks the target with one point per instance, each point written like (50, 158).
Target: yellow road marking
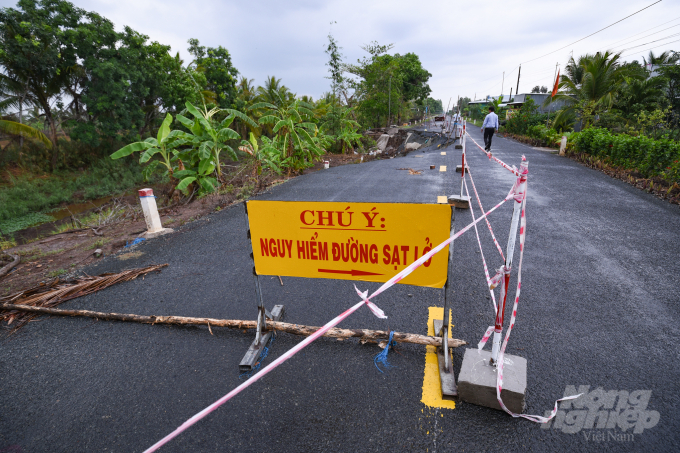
(443, 153)
(442, 199)
(432, 392)
(442, 168)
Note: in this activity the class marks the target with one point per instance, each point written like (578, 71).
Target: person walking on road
(489, 125)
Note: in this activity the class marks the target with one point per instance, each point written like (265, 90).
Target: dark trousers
(488, 135)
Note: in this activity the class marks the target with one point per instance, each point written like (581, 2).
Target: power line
(602, 29)
(650, 48)
(656, 40)
(642, 37)
(645, 31)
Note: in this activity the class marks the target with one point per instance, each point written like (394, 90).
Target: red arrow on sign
(353, 272)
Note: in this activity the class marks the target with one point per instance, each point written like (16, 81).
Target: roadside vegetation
(627, 116)
(87, 111)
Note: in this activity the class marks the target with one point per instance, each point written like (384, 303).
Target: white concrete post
(563, 146)
(153, 220)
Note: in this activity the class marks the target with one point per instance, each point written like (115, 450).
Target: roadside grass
(4, 245)
(56, 273)
(98, 243)
(25, 198)
(34, 253)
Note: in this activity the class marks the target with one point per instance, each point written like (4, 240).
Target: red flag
(557, 82)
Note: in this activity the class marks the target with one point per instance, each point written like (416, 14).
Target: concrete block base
(458, 201)
(459, 146)
(459, 168)
(477, 381)
(154, 234)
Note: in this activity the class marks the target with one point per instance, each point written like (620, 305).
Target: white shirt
(491, 120)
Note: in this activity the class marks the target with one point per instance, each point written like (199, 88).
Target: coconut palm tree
(273, 92)
(21, 130)
(667, 57)
(589, 85)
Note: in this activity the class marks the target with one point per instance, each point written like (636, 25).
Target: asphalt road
(599, 307)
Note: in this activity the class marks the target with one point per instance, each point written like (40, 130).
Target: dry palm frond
(414, 172)
(52, 294)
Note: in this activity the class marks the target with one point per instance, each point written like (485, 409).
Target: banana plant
(165, 143)
(295, 135)
(209, 137)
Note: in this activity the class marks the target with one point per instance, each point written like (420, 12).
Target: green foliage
(24, 196)
(387, 84)
(14, 128)
(671, 76)
(56, 273)
(296, 142)
(590, 86)
(220, 74)
(528, 116)
(434, 106)
(193, 156)
(19, 223)
(650, 157)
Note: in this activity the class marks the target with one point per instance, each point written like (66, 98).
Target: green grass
(56, 273)
(34, 254)
(25, 197)
(4, 245)
(19, 223)
(98, 244)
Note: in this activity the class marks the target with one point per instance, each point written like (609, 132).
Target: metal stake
(500, 314)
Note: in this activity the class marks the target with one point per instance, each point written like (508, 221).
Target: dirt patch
(129, 255)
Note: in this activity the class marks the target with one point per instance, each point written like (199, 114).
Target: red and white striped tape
(498, 278)
(491, 156)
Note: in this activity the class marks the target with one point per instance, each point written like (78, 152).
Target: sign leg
(447, 377)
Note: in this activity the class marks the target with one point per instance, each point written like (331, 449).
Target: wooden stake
(295, 329)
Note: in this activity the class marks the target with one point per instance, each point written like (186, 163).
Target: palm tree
(273, 92)
(666, 57)
(589, 85)
(245, 97)
(17, 129)
(639, 95)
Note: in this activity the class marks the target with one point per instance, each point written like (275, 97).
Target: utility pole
(518, 73)
(502, 83)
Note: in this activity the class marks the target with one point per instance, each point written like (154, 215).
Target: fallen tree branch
(16, 259)
(295, 329)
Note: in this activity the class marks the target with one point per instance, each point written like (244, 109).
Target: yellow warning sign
(349, 241)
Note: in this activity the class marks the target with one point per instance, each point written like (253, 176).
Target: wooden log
(16, 259)
(295, 329)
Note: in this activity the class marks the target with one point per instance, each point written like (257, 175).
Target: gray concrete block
(462, 202)
(477, 381)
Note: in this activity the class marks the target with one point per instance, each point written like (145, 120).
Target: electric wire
(586, 37)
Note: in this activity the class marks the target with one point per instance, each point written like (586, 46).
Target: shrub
(650, 157)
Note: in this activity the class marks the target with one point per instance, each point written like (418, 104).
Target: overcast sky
(465, 45)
